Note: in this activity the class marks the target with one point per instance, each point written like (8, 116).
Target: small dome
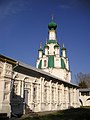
(52, 25)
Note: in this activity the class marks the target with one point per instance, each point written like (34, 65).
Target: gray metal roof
(84, 90)
(29, 70)
(36, 70)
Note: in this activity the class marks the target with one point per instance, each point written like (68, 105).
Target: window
(45, 94)
(58, 95)
(6, 85)
(52, 94)
(45, 63)
(34, 93)
(5, 96)
(26, 85)
(15, 88)
(85, 93)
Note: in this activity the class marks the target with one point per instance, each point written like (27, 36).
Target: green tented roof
(63, 66)
(51, 62)
(40, 64)
(51, 41)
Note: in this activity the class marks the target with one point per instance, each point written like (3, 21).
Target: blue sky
(23, 25)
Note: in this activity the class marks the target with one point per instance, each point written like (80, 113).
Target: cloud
(65, 6)
(10, 7)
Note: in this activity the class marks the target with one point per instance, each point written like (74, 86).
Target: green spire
(46, 46)
(63, 51)
(40, 49)
(63, 48)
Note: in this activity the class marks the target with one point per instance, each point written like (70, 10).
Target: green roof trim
(43, 53)
(56, 46)
(41, 49)
(51, 41)
(40, 64)
(63, 48)
(63, 66)
(51, 62)
(46, 46)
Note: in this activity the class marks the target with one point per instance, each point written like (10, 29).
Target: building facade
(84, 98)
(45, 88)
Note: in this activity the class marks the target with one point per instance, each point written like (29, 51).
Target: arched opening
(88, 102)
(81, 103)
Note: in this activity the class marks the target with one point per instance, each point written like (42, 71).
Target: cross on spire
(40, 44)
(52, 18)
(63, 45)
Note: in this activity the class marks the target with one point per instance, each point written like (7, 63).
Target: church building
(47, 87)
(52, 58)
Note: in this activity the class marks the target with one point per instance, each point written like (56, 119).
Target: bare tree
(83, 80)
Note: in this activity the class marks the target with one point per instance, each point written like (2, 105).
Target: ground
(69, 114)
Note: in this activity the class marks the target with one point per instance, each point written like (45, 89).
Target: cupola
(57, 49)
(40, 51)
(52, 25)
(46, 48)
(63, 51)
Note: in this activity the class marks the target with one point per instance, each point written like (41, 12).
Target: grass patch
(69, 114)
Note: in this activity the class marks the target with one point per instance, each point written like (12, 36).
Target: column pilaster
(71, 97)
(42, 90)
(56, 95)
(62, 95)
(77, 93)
(66, 97)
(50, 95)
(31, 92)
(40, 94)
(22, 90)
(19, 87)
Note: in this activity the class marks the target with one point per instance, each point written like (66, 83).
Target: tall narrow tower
(50, 59)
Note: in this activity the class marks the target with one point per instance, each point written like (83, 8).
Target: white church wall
(36, 93)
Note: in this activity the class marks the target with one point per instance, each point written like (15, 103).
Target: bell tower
(52, 30)
(52, 58)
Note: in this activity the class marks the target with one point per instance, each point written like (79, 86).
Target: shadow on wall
(19, 105)
(16, 103)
